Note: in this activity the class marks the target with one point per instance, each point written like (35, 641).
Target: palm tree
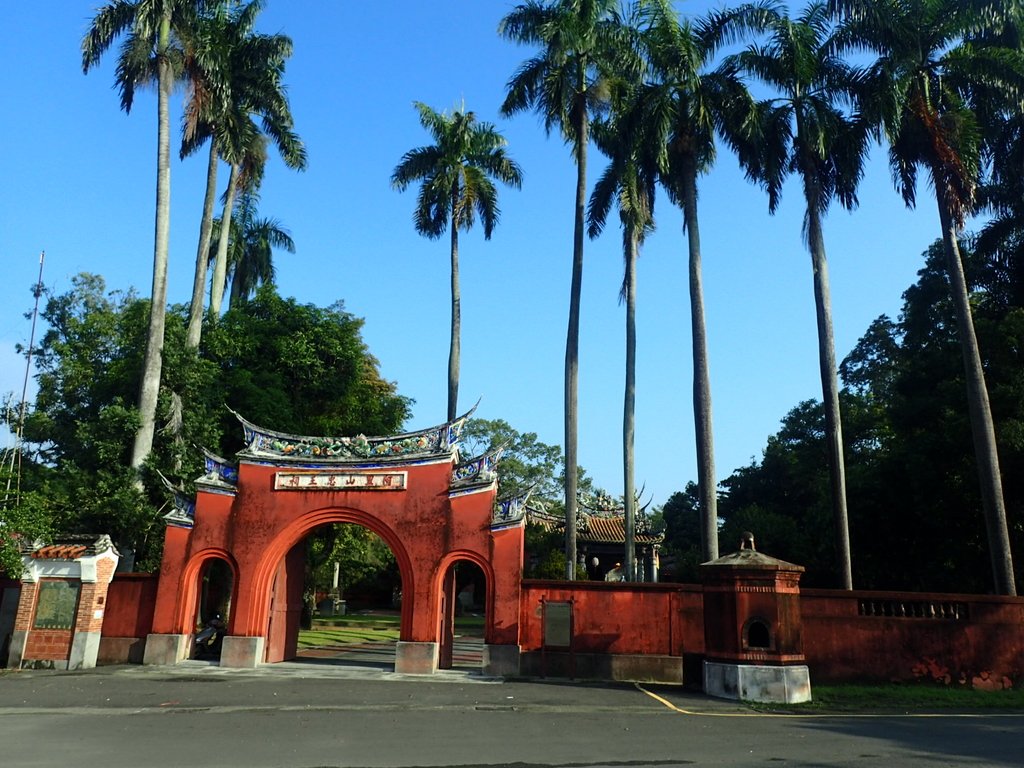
(251, 248)
(807, 131)
(679, 109)
(456, 173)
(237, 75)
(922, 93)
(629, 181)
(148, 53)
(579, 40)
(205, 67)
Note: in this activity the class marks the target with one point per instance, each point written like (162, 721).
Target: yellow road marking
(822, 715)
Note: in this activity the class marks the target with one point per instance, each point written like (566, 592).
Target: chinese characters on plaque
(340, 481)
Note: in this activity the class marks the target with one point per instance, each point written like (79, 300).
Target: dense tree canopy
(288, 366)
(916, 519)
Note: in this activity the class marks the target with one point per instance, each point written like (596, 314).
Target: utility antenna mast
(15, 471)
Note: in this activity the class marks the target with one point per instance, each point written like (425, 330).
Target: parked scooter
(209, 640)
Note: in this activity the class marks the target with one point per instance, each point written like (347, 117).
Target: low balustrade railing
(945, 610)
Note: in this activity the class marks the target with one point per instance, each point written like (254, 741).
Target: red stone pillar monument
(752, 628)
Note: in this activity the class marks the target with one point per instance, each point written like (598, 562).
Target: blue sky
(79, 179)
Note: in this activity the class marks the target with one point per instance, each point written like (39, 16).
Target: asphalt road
(309, 716)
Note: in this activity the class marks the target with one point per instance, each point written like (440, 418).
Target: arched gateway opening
(437, 515)
(288, 598)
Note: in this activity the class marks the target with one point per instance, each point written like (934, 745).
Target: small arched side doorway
(463, 611)
(214, 589)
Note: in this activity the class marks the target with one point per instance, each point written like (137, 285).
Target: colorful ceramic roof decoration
(183, 513)
(219, 470)
(510, 512)
(477, 472)
(435, 442)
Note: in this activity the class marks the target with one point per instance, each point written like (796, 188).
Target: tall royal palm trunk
(220, 263)
(706, 482)
(629, 406)
(830, 393)
(572, 342)
(982, 427)
(195, 308)
(149, 389)
(455, 348)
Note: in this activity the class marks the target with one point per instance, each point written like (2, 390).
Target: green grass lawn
(318, 636)
(463, 624)
(357, 628)
(904, 698)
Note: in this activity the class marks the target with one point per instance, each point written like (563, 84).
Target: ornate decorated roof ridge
(435, 441)
(603, 504)
(183, 513)
(601, 527)
(219, 471)
(478, 471)
(511, 511)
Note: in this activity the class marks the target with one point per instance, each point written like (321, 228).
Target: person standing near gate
(615, 574)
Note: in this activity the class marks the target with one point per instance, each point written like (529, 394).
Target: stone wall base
(163, 650)
(416, 658)
(746, 682)
(121, 650)
(16, 650)
(85, 648)
(501, 660)
(632, 668)
(242, 652)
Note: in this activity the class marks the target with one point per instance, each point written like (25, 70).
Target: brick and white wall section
(75, 648)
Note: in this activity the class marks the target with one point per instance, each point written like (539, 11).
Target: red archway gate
(411, 490)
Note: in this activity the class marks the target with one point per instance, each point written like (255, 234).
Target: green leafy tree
(917, 479)
(917, 519)
(147, 54)
(296, 368)
(301, 369)
(682, 518)
(807, 131)
(78, 433)
(579, 42)
(925, 92)
(359, 553)
(25, 518)
(526, 465)
(456, 174)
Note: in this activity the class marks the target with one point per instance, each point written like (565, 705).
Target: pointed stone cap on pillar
(748, 558)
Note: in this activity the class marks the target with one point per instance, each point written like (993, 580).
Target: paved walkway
(467, 655)
(302, 714)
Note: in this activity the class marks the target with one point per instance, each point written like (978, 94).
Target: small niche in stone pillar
(756, 635)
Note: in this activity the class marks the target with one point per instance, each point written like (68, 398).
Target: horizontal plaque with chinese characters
(340, 481)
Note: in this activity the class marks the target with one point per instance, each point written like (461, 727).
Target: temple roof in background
(598, 526)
